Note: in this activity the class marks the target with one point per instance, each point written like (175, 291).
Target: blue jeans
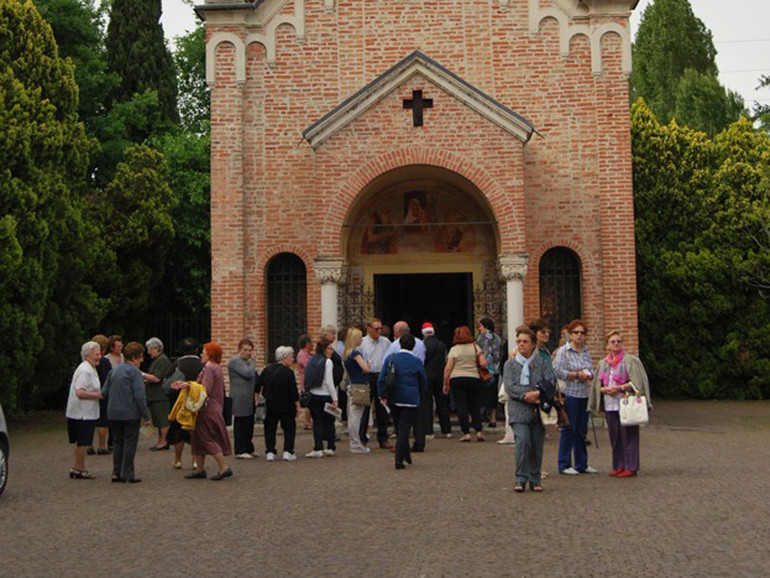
(574, 436)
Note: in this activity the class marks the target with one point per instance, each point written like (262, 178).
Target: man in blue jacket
(404, 399)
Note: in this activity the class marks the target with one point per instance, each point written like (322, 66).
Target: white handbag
(550, 418)
(633, 408)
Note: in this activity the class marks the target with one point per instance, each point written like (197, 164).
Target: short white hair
(283, 352)
(154, 343)
(88, 348)
(328, 329)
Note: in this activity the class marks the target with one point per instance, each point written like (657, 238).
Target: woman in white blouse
(319, 381)
(83, 407)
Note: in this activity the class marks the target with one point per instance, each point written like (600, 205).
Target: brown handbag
(484, 374)
(561, 410)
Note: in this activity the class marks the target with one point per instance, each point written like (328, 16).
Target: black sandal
(81, 475)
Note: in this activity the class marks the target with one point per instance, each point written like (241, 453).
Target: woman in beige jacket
(614, 377)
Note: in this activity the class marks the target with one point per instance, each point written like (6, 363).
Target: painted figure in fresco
(416, 212)
(455, 236)
(415, 236)
(380, 235)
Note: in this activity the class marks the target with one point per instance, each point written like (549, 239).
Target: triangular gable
(417, 63)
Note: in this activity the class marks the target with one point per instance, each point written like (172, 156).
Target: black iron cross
(417, 103)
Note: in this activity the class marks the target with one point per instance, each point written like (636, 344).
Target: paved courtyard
(700, 507)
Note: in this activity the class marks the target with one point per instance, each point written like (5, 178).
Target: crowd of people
(359, 376)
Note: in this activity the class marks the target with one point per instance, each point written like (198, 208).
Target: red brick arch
(507, 207)
(267, 254)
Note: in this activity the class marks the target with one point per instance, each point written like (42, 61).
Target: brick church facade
(439, 161)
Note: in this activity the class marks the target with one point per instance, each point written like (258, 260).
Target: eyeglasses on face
(578, 333)
(616, 341)
(523, 341)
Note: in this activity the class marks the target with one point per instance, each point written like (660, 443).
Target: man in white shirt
(373, 348)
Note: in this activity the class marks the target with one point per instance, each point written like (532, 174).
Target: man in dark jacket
(435, 360)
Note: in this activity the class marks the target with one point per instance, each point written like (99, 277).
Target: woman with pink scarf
(614, 376)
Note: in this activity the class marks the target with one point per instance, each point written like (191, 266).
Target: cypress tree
(137, 52)
(670, 40)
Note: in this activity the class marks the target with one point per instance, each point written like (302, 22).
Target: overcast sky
(739, 27)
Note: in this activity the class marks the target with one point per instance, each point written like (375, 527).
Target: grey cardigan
(243, 377)
(124, 390)
(518, 410)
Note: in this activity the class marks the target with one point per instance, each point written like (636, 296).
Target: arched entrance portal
(421, 244)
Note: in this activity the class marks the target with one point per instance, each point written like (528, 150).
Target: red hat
(427, 328)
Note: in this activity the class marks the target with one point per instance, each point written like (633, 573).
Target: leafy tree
(134, 212)
(43, 160)
(194, 96)
(699, 205)
(702, 103)
(124, 124)
(670, 40)
(187, 157)
(77, 28)
(137, 52)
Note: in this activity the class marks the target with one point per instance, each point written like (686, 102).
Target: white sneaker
(255, 454)
(361, 450)
(506, 442)
(244, 457)
(589, 470)
(270, 457)
(329, 453)
(314, 454)
(448, 436)
(430, 437)
(287, 457)
(570, 471)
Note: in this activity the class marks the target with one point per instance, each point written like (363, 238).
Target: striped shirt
(569, 359)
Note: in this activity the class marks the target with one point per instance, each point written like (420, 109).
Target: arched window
(286, 301)
(560, 300)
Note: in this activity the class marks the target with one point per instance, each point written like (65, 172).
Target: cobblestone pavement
(698, 508)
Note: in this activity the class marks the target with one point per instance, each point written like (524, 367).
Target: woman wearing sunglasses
(573, 365)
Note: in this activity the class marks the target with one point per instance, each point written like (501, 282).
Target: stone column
(513, 268)
(329, 271)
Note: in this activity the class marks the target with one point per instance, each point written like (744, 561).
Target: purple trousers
(625, 443)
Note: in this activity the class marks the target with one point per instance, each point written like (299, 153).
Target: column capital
(329, 269)
(513, 267)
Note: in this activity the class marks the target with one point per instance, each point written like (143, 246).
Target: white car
(4, 449)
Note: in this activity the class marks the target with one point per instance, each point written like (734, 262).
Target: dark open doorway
(444, 299)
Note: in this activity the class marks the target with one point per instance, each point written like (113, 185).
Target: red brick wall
(271, 192)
